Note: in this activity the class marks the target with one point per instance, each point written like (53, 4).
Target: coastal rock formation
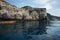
(51, 17)
(8, 11)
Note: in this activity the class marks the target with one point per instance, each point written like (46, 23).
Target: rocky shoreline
(11, 12)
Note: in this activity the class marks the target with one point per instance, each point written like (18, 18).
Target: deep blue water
(31, 30)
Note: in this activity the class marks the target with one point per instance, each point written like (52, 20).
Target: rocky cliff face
(8, 11)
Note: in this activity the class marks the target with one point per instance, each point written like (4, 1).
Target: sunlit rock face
(41, 12)
(8, 11)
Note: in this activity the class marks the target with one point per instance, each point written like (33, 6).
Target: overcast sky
(52, 6)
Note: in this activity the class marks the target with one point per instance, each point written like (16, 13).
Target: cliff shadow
(34, 27)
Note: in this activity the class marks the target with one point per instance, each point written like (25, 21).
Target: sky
(52, 6)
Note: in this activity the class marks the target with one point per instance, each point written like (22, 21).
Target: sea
(31, 30)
